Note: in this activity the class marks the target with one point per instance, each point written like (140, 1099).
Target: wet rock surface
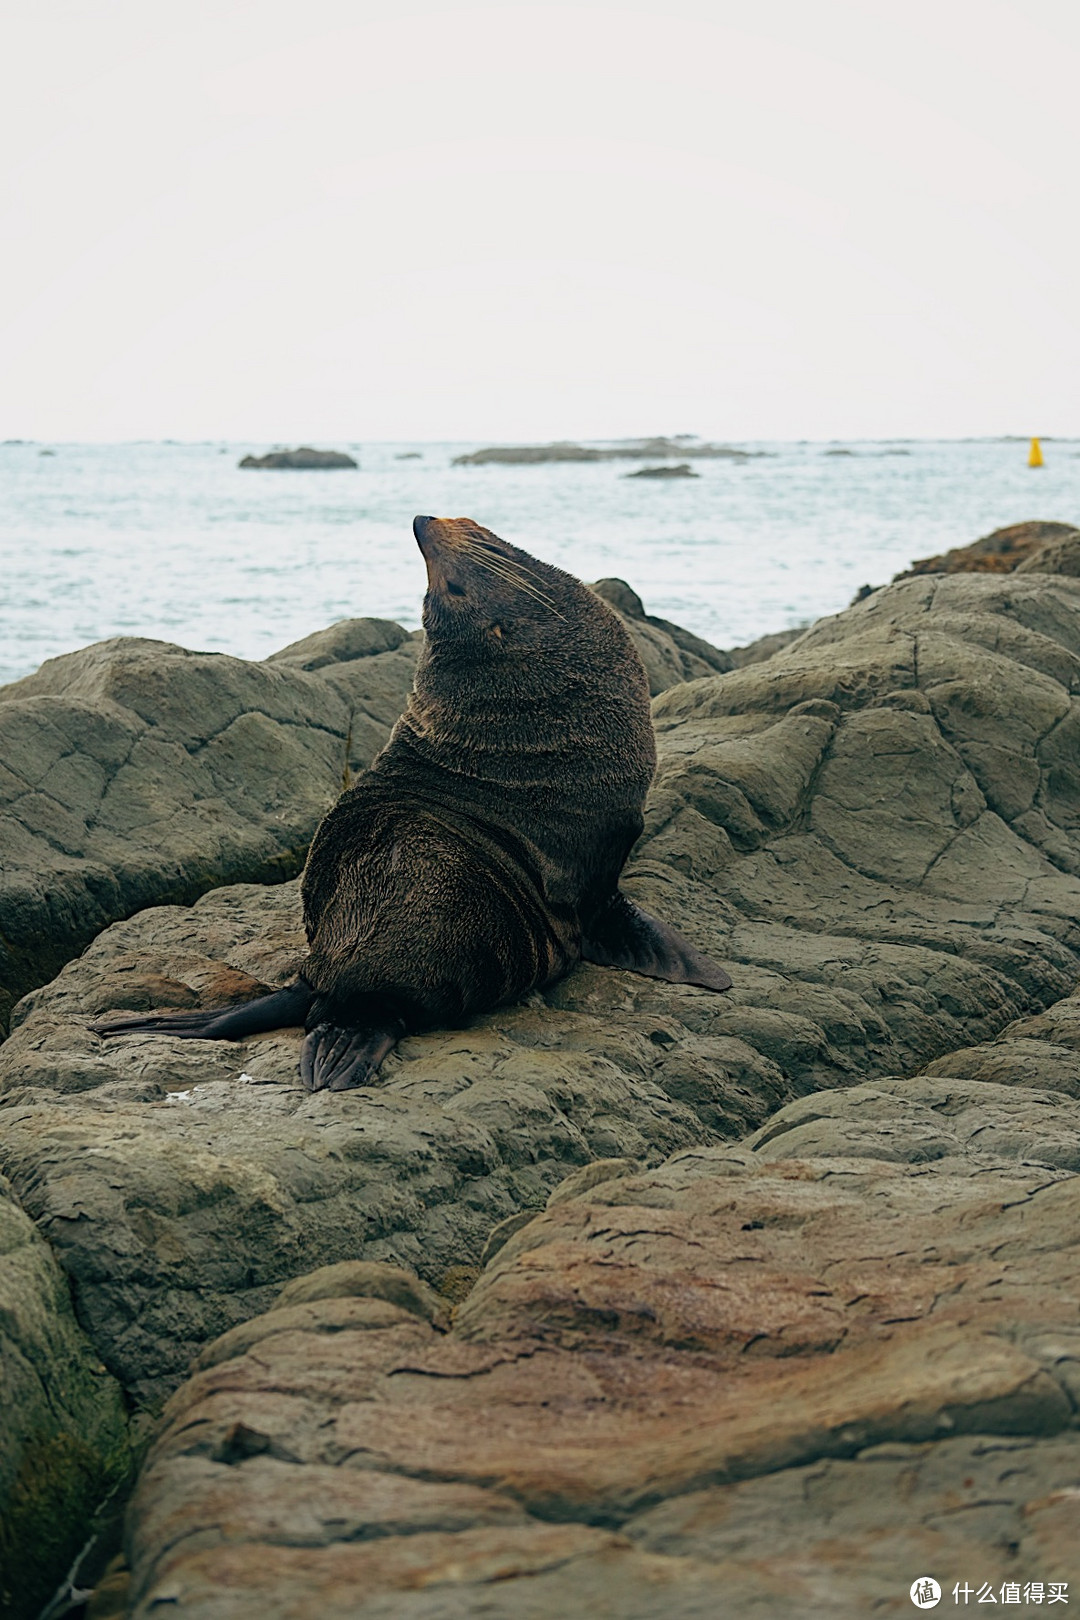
(206, 1191)
(134, 772)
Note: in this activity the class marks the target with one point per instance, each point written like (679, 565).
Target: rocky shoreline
(617, 1300)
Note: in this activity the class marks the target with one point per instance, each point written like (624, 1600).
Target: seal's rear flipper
(624, 936)
(334, 1058)
(280, 1010)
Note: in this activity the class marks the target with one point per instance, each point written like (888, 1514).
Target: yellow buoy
(1035, 458)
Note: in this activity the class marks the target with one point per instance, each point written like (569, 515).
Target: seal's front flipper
(280, 1010)
(624, 936)
(336, 1059)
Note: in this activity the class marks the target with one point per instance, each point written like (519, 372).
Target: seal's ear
(622, 935)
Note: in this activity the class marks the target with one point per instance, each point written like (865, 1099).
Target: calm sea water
(174, 541)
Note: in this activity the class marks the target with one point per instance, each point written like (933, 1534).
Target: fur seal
(479, 857)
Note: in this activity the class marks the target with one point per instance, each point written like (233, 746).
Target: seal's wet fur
(479, 857)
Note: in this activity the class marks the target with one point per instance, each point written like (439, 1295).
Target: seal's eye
(454, 590)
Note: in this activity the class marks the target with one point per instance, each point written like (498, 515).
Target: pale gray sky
(334, 220)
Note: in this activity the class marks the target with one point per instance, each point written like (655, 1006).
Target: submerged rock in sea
(681, 469)
(305, 459)
(1000, 552)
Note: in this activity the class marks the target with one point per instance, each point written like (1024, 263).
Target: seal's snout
(439, 536)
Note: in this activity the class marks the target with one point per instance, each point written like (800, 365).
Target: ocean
(176, 542)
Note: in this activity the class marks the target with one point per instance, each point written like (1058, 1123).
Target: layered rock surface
(878, 831)
(790, 1376)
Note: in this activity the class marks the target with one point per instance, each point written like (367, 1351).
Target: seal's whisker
(507, 569)
(521, 585)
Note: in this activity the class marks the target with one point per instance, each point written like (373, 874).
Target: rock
(137, 773)
(63, 1427)
(523, 455)
(1000, 552)
(622, 597)
(1042, 1051)
(681, 469)
(305, 459)
(755, 652)
(776, 1379)
(701, 1358)
(671, 655)
(876, 830)
(1061, 556)
(515, 455)
(206, 1193)
(366, 1280)
(344, 642)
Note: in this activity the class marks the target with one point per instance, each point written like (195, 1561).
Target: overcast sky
(336, 221)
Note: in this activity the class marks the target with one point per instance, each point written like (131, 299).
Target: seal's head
(484, 592)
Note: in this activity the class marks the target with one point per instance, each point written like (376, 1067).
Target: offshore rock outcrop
(305, 459)
(683, 447)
